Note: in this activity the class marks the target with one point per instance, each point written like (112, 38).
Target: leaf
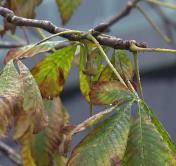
(159, 127)
(123, 65)
(106, 143)
(32, 103)
(10, 95)
(145, 144)
(67, 8)
(105, 92)
(21, 8)
(51, 72)
(30, 50)
(90, 67)
(50, 142)
(92, 120)
(26, 155)
(84, 82)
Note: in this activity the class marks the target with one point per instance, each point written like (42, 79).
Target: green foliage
(105, 143)
(145, 143)
(66, 8)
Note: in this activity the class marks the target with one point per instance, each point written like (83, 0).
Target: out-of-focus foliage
(31, 106)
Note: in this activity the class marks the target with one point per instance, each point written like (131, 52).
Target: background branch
(124, 12)
(10, 153)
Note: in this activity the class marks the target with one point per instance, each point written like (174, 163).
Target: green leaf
(51, 72)
(67, 8)
(108, 92)
(123, 65)
(32, 102)
(50, 141)
(10, 95)
(159, 127)
(145, 144)
(30, 50)
(106, 143)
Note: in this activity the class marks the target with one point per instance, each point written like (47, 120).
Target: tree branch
(105, 40)
(124, 12)
(10, 153)
(11, 45)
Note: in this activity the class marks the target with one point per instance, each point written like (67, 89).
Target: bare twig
(105, 40)
(10, 44)
(124, 12)
(10, 153)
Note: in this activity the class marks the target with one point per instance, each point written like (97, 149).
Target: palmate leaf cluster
(30, 104)
(127, 133)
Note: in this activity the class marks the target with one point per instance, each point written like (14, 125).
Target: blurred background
(158, 70)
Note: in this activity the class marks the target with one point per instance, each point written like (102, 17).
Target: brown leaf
(32, 103)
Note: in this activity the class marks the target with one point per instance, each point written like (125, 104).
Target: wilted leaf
(26, 155)
(123, 65)
(10, 95)
(106, 143)
(67, 8)
(21, 8)
(51, 72)
(109, 92)
(32, 102)
(30, 50)
(146, 146)
(51, 141)
(90, 66)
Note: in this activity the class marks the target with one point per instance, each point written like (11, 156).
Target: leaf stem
(155, 27)
(107, 59)
(164, 4)
(50, 37)
(135, 48)
(136, 63)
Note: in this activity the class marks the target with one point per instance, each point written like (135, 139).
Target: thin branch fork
(48, 26)
(10, 153)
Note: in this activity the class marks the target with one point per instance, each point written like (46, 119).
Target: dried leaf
(32, 103)
(26, 154)
(51, 142)
(10, 95)
(90, 66)
(30, 50)
(67, 8)
(51, 72)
